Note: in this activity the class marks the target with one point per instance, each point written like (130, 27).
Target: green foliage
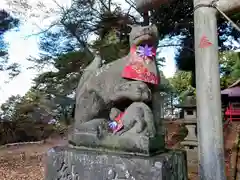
(26, 118)
(77, 23)
(236, 68)
(109, 22)
(60, 84)
(8, 108)
(7, 22)
(68, 68)
(34, 106)
(111, 47)
(176, 18)
(181, 82)
(67, 50)
(229, 68)
(24, 131)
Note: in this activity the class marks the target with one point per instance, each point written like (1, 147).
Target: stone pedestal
(191, 132)
(64, 163)
(190, 141)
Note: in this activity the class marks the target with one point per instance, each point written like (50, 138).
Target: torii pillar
(210, 128)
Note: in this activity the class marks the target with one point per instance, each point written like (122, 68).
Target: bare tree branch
(109, 4)
(104, 5)
(128, 12)
(177, 45)
(42, 30)
(131, 4)
(94, 9)
(133, 18)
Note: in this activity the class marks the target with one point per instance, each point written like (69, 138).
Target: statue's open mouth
(145, 39)
(123, 104)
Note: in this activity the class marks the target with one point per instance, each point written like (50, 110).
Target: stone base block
(64, 163)
(129, 142)
(190, 144)
(192, 156)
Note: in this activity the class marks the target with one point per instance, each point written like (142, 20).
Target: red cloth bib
(118, 119)
(141, 68)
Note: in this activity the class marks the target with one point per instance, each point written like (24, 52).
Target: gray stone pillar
(190, 141)
(191, 132)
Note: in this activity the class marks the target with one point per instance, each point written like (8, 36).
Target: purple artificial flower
(113, 125)
(52, 121)
(145, 51)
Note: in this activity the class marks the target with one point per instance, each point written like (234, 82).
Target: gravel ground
(25, 162)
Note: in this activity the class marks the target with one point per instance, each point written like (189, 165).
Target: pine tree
(7, 22)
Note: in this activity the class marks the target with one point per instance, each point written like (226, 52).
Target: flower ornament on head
(146, 51)
(141, 65)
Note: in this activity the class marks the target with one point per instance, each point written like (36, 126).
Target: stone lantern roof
(189, 102)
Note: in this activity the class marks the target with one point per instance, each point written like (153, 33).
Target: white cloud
(169, 67)
(20, 48)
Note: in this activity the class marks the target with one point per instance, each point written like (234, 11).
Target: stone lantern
(190, 121)
(189, 109)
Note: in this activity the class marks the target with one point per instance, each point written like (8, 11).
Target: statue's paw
(138, 131)
(115, 134)
(99, 132)
(119, 133)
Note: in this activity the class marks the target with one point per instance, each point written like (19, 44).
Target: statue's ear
(154, 26)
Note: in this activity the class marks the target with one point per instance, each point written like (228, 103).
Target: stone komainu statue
(114, 102)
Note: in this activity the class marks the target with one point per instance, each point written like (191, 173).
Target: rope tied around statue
(214, 5)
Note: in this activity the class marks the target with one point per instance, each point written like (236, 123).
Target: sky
(22, 44)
